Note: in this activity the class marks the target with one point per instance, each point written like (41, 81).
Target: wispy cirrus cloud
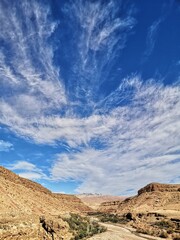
(101, 37)
(27, 170)
(154, 28)
(151, 38)
(126, 135)
(36, 94)
(137, 143)
(5, 146)
(28, 74)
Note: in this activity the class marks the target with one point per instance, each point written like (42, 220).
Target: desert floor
(115, 232)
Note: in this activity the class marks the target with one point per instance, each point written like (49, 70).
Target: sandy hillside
(30, 211)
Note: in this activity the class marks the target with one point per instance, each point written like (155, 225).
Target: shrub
(163, 234)
(165, 224)
(82, 227)
(112, 218)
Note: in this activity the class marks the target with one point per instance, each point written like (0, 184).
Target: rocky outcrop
(154, 211)
(22, 202)
(22, 195)
(31, 227)
(73, 203)
(158, 187)
(12, 177)
(151, 201)
(54, 229)
(109, 207)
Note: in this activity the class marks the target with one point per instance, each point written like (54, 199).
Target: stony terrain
(154, 197)
(155, 210)
(116, 232)
(109, 207)
(30, 211)
(22, 195)
(159, 187)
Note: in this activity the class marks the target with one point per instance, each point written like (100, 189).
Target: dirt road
(119, 233)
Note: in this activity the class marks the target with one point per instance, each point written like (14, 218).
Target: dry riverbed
(116, 232)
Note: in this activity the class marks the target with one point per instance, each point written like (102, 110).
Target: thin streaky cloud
(5, 146)
(27, 170)
(103, 34)
(151, 39)
(62, 96)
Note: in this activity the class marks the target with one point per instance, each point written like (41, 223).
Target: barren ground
(120, 233)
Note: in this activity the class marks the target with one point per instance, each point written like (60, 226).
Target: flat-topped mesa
(159, 187)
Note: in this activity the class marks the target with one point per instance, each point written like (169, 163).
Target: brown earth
(117, 232)
(159, 187)
(154, 197)
(24, 202)
(109, 207)
(30, 211)
(155, 210)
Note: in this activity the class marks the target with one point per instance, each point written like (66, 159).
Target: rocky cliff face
(155, 210)
(109, 207)
(73, 203)
(153, 197)
(33, 227)
(23, 203)
(22, 195)
(158, 187)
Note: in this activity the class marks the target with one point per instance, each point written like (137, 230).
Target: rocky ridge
(109, 207)
(159, 187)
(155, 210)
(154, 197)
(30, 211)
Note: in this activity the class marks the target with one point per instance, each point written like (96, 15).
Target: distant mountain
(95, 200)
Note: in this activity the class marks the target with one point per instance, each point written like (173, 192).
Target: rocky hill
(22, 195)
(159, 187)
(154, 197)
(24, 202)
(109, 207)
(154, 211)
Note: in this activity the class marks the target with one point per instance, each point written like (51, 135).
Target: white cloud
(31, 175)
(128, 138)
(101, 37)
(5, 146)
(151, 38)
(23, 165)
(140, 143)
(27, 170)
(28, 65)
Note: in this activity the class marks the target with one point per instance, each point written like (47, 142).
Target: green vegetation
(83, 227)
(165, 224)
(111, 218)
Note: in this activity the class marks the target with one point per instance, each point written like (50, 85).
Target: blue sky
(90, 93)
